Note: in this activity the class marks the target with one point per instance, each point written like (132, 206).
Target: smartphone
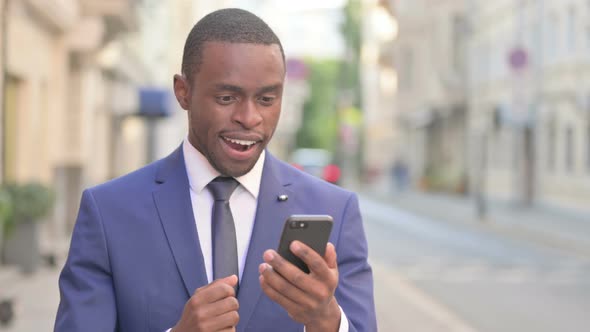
(313, 230)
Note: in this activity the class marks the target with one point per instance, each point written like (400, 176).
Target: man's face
(233, 103)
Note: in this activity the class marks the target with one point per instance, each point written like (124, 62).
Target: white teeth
(239, 141)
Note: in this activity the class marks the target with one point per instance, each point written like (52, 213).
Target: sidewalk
(413, 309)
(36, 297)
(564, 229)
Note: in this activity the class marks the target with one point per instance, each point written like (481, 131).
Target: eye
(266, 100)
(225, 100)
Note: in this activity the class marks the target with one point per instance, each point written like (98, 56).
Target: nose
(248, 115)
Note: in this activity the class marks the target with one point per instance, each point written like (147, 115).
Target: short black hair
(231, 25)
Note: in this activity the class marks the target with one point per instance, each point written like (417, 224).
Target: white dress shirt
(243, 199)
(242, 203)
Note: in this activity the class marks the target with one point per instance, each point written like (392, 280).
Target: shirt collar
(200, 172)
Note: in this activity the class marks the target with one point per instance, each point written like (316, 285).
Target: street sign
(517, 58)
(297, 69)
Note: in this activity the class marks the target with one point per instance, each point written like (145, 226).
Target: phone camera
(298, 224)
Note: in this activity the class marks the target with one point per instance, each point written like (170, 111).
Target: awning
(154, 102)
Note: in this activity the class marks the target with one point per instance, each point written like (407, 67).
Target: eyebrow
(237, 89)
(270, 88)
(228, 87)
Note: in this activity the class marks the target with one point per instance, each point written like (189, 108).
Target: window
(551, 145)
(588, 26)
(480, 63)
(12, 104)
(588, 145)
(571, 33)
(554, 36)
(537, 42)
(459, 31)
(406, 69)
(569, 149)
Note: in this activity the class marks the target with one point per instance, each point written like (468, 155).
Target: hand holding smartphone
(313, 230)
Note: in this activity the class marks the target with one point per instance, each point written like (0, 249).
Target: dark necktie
(223, 231)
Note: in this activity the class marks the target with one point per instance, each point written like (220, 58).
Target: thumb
(230, 280)
(330, 256)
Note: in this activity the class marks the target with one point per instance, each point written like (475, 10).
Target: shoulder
(142, 179)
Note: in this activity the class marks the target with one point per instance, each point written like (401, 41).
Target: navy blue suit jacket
(135, 258)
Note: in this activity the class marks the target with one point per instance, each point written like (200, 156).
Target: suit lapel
(270, 216)
(172, 199)
(173, 202)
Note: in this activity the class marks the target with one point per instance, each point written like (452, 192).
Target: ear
(182, 91)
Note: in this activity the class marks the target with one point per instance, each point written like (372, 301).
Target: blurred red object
(331, 173)
(317, 162)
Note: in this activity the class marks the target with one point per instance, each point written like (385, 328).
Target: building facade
(379, 86)
(530, 101)
(70, 86)
(427, 109)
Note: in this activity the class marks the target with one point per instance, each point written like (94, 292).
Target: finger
(314, 261)
(331, 257)
(230, 280)
(277, 297)
(224, 322)
(222, 306)
(283, 286)
(289, 271)
(213, 292)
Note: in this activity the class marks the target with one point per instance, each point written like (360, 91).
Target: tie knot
(222, 188)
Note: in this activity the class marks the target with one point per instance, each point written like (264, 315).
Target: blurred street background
(464, 125)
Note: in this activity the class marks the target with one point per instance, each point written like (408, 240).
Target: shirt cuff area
(343, 321)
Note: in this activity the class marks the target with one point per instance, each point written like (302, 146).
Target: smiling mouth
(239, 144)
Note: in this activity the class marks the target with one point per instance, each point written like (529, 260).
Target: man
(151, 252)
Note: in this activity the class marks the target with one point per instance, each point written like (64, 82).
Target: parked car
(317, 162)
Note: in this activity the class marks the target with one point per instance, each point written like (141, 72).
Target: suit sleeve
(87, 299)
(355, 285)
